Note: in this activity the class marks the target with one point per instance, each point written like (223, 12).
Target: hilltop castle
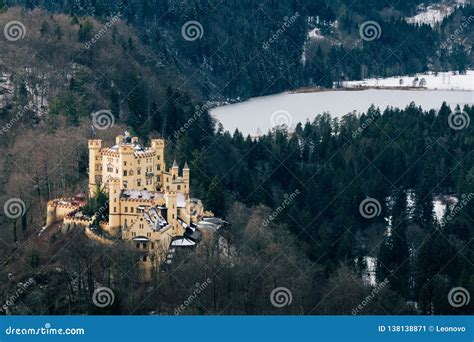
(148, 205)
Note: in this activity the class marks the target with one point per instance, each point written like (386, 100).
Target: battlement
(95, 143)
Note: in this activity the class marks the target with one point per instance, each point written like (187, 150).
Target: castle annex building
(148, 205)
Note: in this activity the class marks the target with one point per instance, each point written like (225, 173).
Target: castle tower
(114, 202)
(95, 164)
(186, 178)
(174, 170)
(172, 212)
(158, 145)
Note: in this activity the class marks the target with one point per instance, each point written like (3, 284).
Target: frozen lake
(262, 113)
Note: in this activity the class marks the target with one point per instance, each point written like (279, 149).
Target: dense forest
(229, 60)
(319, 243)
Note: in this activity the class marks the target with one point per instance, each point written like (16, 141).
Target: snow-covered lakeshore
(257, 115)
(432, 81)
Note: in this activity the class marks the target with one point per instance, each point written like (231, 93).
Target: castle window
(152, 245)
(144, 245)
(179, 187)
(125, 172)
(125, 184)
(124, 163)
(139, 171)
(144, 258)
(115, 209)
(131, 209)
(126, 209)
(138, 245)
(139, 182)
(158, 167)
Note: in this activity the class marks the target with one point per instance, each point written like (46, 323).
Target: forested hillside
(154, 82)
(248, 48)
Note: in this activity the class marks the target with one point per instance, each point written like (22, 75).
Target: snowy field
(435, 13)
(442, 81)
(258, 115)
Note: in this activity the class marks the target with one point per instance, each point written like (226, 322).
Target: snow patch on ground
(369, 275)
(440, 204)
(435, 13)
(439, 81)
(315, 34)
